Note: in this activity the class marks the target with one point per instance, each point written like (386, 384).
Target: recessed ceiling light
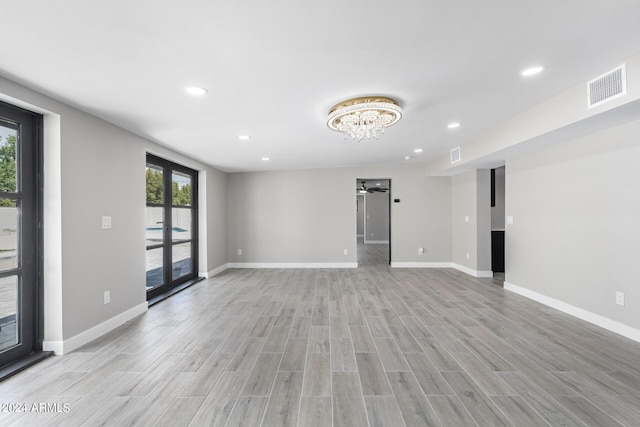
(418, 150)
(531, 71)
(244, 137)
(453, 125)
(407, 157)
(265, 159)
(195, 90)
(377, 183)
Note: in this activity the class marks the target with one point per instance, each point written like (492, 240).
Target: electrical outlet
(346, 252)
(620, 298)
(467, 255)
(107, 297)
(420, 251)
(106, 222)
(239, 251)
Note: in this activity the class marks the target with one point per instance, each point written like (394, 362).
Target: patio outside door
(20, 259)
(171, 227)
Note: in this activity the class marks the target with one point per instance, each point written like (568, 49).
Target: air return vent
(607, 87)
(455, 155)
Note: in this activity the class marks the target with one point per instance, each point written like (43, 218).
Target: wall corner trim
(471, 272)
(77, 341)
(587, 316)
(293, 265)
(214, 272)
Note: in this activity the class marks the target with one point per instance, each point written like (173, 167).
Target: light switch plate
(510, 220)
(106, 222)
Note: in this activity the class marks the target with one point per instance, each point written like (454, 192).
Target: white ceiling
(273, 69)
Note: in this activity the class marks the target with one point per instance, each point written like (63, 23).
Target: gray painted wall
(274, 217)
(377, 213)
(483, 214)
(471, 209)
(360, 215)
(576, 211)
(95, 169)
(464, 219)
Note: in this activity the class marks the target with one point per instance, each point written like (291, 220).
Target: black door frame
(30, 254)
(168, 282)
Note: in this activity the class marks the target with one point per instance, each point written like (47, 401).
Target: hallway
(372, 254)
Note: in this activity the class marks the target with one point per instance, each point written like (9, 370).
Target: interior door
(20, 259)
(171, 227)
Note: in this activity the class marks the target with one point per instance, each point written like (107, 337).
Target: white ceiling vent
(607, 87)
(455, 155)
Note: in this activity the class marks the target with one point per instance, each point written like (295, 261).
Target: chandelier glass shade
(364, 117)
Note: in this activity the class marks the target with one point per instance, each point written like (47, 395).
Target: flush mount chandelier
(364, 117)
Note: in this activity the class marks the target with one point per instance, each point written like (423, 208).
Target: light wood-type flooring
(372, 254)
(372, 346)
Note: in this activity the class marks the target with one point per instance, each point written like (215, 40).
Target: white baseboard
(214, 272)
(587, 316)
(376, 242)
(77, 341)
(293, 265)
(471, 272)
(458, 267)
(421, 265)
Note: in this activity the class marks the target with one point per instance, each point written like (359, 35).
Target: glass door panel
(155, 226)
(8, 159)
(181, 224)
(171, 225)
(9, 215)
(181, 189)
(155, 184)
(20, 333)
(8, 312)
(155, 261)
(181, 260)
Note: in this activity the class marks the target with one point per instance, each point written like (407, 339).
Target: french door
(172, 225)
(20, 220)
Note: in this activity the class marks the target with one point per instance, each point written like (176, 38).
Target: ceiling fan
(364, 189)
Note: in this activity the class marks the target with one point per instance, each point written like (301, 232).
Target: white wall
(308, 217)
(94, 169)
(576, 211)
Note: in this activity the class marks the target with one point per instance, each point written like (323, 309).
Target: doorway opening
(498, 223)
(171, 227)
(373, 204)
